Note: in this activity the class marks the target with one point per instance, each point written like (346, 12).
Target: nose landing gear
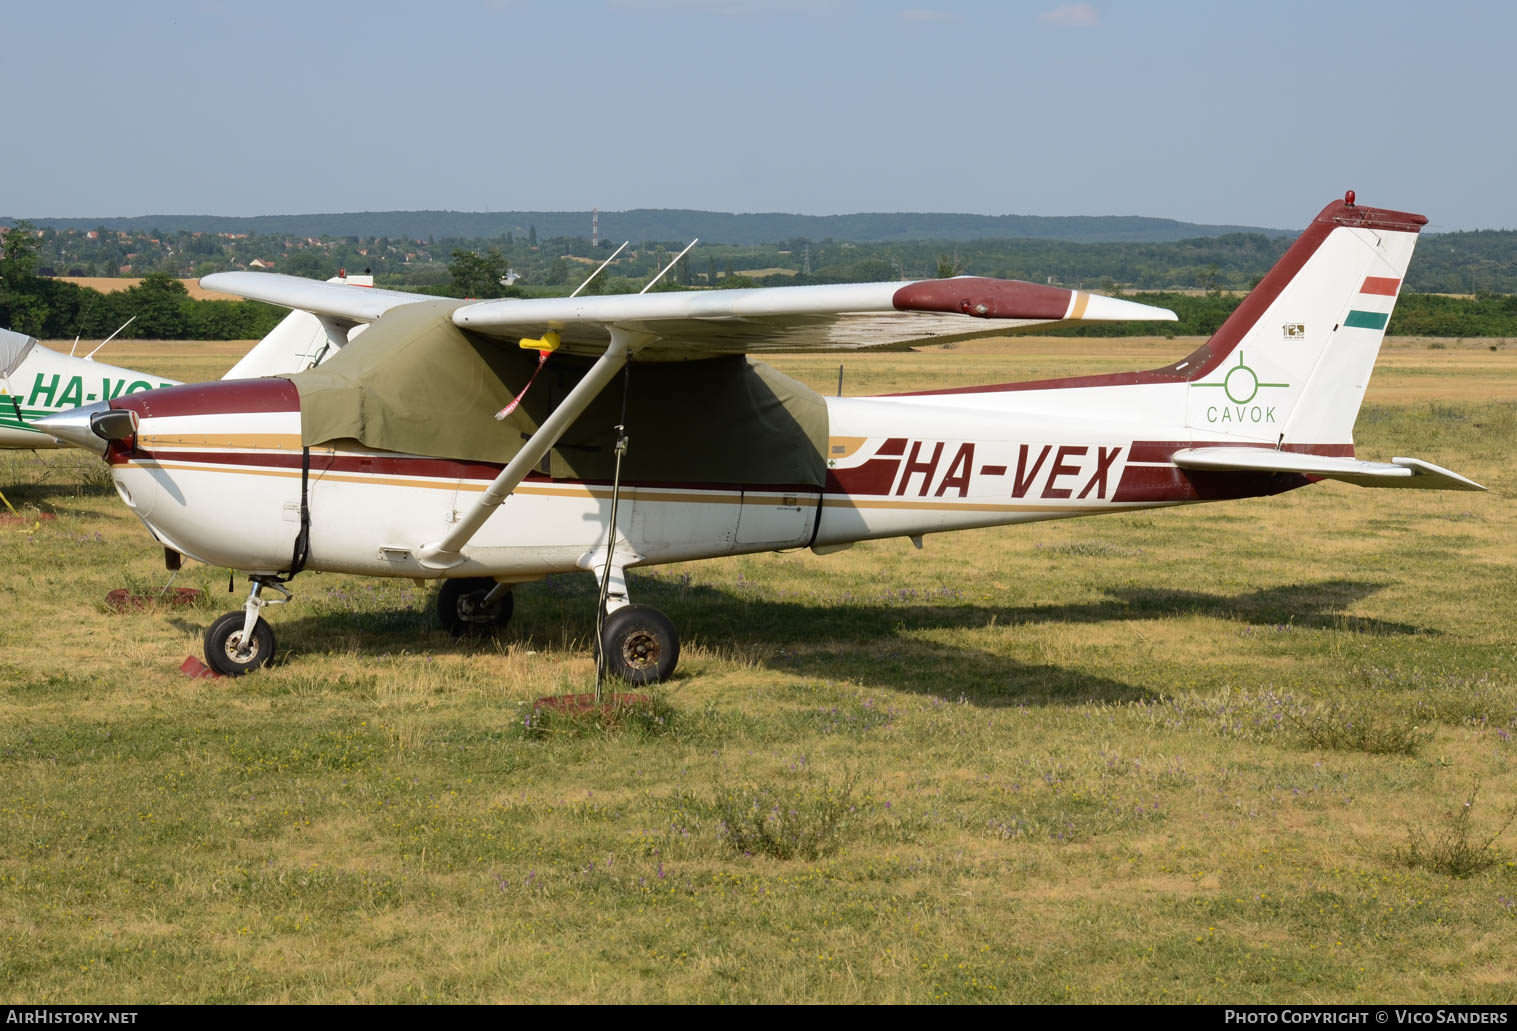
(240, 642)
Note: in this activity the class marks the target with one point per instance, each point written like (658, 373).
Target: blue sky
(1253, 113)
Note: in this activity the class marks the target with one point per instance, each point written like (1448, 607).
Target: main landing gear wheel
(464, 606)
(640, 644)
(225, 651)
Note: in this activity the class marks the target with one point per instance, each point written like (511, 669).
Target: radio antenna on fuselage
(108, 339)
(603, 264)
(669, 266)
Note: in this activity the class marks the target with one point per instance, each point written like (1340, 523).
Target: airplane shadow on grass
(863, 642)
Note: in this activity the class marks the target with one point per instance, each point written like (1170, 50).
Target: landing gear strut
(474, 605)
(240, 642)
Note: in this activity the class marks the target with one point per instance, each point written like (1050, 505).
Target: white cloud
(1071, 16)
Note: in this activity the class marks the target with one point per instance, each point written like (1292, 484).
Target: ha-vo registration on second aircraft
(36, 381)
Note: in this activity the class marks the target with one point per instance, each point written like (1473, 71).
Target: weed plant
(799, 821)
(1455, 847)
(1369, 725)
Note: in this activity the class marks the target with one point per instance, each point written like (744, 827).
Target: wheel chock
(124, 599)
(197, 670)
(27, 521)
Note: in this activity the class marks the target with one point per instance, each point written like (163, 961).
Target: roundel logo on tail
(1241, 383)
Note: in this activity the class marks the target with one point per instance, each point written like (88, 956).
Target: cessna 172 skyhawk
(36, 381)
(386, 460)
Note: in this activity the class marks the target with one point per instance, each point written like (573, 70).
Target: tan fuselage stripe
(1082, 301)
(641, 494)
(844, 447)
(250, 441)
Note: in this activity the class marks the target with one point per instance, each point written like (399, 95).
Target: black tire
(459, 610)
(223, 641)
(640, 644)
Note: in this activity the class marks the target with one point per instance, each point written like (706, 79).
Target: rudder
(1291, 364)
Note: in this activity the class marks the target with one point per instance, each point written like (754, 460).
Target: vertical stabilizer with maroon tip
(1290, 365)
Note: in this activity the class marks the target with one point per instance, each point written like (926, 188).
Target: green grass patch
(1194, 755)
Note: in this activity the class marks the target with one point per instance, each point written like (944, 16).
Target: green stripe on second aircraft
(1366, 319)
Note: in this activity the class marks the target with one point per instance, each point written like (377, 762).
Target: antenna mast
(669, 266)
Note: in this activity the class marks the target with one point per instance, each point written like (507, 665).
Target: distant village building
(260, 263)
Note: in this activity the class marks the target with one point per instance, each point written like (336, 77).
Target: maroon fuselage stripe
(1140, 483)
(223, 397)
(1155, 483)
(873, 477)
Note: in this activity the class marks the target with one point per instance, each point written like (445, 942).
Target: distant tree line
(1427, 315)
(50, 308)
(1466, 262)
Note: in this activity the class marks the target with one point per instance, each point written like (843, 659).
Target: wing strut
(444, 554)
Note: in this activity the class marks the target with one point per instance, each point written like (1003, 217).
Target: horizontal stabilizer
(1398, 472)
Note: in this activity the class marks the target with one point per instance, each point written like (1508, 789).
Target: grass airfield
(1253, 751)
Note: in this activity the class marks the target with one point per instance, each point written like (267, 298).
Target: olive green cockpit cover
(415, 383)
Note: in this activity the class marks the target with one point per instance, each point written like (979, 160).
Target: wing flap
(1398, 472)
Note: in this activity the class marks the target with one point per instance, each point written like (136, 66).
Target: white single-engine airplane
(386, 460)
(37, 382)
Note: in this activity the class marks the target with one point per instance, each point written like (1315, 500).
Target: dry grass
(110, 284)
(1407, 372)
(1072, 765)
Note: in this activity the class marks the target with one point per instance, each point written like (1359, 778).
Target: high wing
(342, 304)
(1398, 472)
(674, 326)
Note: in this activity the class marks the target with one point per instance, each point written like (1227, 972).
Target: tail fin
(302, 340)
(1290, 365)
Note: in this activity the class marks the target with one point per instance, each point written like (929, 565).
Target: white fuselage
(224, 486)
